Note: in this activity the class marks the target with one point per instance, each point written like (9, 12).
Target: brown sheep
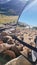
(1, 41)
(10, 41)
(6, 38)
(20, 47)
(5, 46)
(15, 49)
(4, 33)
(10, 53)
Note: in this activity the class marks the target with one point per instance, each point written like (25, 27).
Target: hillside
(6, 19)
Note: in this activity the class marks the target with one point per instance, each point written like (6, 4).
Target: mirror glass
(11, 9)
(29, 15)
(11, 13)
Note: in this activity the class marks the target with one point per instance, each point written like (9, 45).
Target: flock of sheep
(11, 47)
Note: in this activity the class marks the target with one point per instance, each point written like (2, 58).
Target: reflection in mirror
(29, 15)
(11, 9)
(10, 47)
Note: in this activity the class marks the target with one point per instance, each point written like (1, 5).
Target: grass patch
(7, 19)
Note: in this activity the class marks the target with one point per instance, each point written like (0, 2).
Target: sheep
(6, 38)
(1, 41)
(4, 46)
(4, 33)
(15, 49)
(10, 53)
(10, 41)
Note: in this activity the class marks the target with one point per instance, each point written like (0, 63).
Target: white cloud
(3, 1)
(8, 0)
(30, 5)
(24, 0)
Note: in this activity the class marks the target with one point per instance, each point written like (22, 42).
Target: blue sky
(29, 15)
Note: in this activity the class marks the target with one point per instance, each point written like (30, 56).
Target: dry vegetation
(6, 19)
